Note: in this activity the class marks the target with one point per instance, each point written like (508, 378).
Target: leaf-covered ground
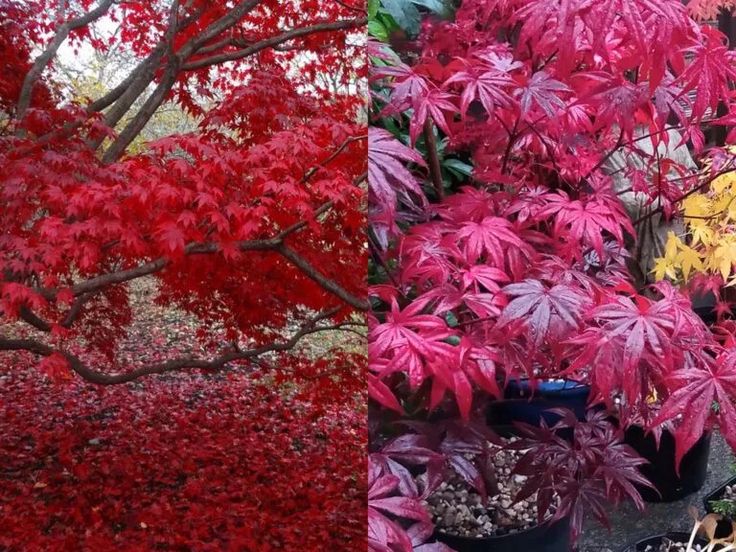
(186, 461)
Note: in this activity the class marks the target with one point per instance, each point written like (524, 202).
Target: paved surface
(629, 525)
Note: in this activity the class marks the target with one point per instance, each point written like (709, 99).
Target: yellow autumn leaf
(701, 233)
(720, 205)
(723, 182)
(670, 248)
(724, 257)
(664, 267)
(697, 205)
(689, 260)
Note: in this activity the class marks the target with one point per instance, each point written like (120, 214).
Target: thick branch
(685, 195)
(142, 77)
(42, 61)
(218, 362)
(148, 64)
(154, 101)
(134, 127)
(435, 169)
(99, 282)
(274, 41)
(315, 275)
(28, 316)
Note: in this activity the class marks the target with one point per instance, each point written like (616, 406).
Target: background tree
(248, 222)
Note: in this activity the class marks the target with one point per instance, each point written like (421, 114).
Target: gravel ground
(629, 525)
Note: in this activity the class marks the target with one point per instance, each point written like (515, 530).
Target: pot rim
(709, 496)
(537, 527)
(551, 385)
(632, 546)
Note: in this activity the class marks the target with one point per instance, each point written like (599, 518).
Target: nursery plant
(705, 535)
(722, 499)
(520, 267)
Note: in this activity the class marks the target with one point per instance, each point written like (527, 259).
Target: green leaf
(373, 6)
(457, 166)
(440, 7)
(451, 319)
(405, 13)
(377, 30)
(452, 340)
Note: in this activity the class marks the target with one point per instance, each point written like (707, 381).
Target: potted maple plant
(526, 269)
(523, 489)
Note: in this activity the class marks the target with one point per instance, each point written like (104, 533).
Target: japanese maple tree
(247, 221)
(523, 268)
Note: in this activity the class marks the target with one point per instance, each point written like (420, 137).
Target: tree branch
(685, 195)
(218, 362)
(99, 282)
(152, 103)
(315, 275)
(42, 61)
(215, 28)
(174, 66)
(435, 170)
(351, 8)
(274, 41)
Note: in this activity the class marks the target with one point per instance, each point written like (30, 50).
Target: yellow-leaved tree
(708, 244)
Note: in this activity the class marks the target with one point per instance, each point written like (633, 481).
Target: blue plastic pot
(524, 404)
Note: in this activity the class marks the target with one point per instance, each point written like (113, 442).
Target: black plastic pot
(717, 494)
(660, 470)
(703, 306)
(547, 537)
(656, 540)
(522, 404)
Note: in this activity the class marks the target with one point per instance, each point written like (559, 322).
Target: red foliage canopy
(522, 272)
(247, 221)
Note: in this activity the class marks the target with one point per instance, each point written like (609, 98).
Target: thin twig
(435, 170)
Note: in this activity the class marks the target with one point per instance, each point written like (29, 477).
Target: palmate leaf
(490, 238)
(401, 506)
(649, 26)
(702, 395)
(388, 178)
(409, 339)
(544, 92)
(487, 85)
(431, 105)
(639, 330)
(709, 73)
(389, 512)
(585, 220)
(382, 394)
(547, 312)
(585, 472)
